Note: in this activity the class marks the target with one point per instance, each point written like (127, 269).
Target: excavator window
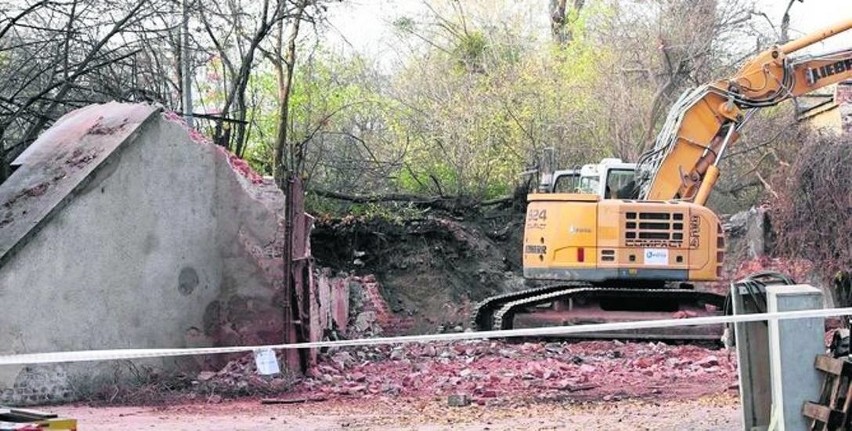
(566, 183)
(589, 185)
(619, 182)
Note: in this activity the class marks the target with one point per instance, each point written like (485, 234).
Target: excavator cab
(607, 178)
(592, 179)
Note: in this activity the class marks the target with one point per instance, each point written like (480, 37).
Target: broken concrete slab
(459, 400)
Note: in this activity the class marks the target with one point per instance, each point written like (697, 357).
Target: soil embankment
(430, 270)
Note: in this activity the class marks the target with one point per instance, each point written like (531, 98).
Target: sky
(364, 25)
(812, 15)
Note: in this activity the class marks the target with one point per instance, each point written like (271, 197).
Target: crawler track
(483, 314)
(577, 303)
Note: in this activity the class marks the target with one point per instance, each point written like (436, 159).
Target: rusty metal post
(292, 358)
(300, 267)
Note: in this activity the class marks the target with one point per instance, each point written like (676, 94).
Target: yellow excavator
(636, 257)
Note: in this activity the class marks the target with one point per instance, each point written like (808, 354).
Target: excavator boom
(705, 121)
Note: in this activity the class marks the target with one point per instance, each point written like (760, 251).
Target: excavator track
(578, 303)
(483, 313)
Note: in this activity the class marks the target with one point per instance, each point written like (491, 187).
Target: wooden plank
(816, 411)
(267, 401)
(832, 418)
(38, 414)
(848, 401)
(825, 389)
(835, 389)
(283, 401)
(829, 365)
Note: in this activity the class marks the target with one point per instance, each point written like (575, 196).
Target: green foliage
(327, 94)
(470, 49)
(472, 132)
(475, 104)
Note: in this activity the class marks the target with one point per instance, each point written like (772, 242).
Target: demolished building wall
(123, 229)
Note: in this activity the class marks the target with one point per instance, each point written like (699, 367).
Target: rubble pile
(483, 371)
(491, 370)
(239, 377)
(800, 270)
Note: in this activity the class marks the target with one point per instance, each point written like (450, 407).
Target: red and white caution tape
(553, 331)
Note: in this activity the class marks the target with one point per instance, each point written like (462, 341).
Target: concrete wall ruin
(125, 230)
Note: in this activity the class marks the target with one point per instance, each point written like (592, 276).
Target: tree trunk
(560, 25)
(284, 161)
(785, 24)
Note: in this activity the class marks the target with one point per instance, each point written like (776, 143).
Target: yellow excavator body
(583, 237)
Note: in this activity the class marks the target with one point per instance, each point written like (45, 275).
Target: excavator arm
(706, 120)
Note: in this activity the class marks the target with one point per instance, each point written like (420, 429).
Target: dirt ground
(587, 385)
(718, 412)
(500, 372)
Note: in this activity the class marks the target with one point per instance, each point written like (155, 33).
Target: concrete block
(458, 400)
(793, 344)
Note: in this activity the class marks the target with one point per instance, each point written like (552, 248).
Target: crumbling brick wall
(843, 99)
